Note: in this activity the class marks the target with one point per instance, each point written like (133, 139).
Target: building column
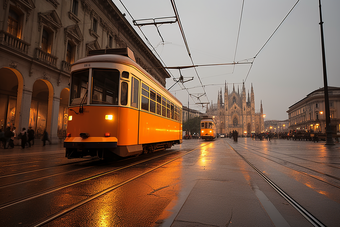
(54, 120)
(25, 110)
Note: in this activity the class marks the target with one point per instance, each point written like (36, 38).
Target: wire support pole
(329, 140)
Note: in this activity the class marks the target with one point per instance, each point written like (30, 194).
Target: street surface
(197, 183)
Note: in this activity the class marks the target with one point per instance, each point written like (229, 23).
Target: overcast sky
(287, 69)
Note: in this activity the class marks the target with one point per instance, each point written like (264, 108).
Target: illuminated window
(13, 23)
(46, 41)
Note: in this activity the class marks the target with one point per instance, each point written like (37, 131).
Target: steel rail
(61, 213)
(313, 220)
(49, 191)
(303, 167)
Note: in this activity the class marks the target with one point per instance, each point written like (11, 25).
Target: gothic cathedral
(236, 113)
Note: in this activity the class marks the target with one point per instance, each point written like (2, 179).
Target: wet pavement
(217, 183)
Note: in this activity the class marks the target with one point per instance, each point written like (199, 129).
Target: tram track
(292, 156)
(300, 166)
(47, 168)
(304, 212)
(109, 189)
(87, 179)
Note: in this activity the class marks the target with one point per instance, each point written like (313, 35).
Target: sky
(286, 68)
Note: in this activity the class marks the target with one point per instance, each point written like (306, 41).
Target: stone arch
(41, 107)
(11, 92)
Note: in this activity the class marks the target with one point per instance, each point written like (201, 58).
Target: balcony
(65, 66)
(47, 58)
(13, 42)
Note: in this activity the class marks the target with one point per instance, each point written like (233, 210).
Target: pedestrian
(23, 137)
(2, 138)
(30, 133)
(8, 138)
(45, 137)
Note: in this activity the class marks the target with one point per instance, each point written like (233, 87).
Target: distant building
(190, 113)
(40, 39)
(276, 126)
(309, 113)
(237, 112)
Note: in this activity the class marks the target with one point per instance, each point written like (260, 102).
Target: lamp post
(329, 140)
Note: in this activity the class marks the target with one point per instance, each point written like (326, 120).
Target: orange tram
(208, 128)
(117, 108)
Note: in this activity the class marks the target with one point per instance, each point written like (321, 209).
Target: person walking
(45, 137)
(2, 138)
(30, 133)
(23, 137)
(8, 138)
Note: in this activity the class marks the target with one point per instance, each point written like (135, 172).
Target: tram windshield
(79, 85)
(105, 86)
(104, 89)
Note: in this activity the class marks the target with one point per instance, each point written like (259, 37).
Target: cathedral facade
(236, 112)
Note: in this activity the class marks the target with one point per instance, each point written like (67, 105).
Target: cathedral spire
(233, 87)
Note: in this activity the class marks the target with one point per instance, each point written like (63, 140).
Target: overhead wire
(238, 33)
(187, 46)
(251, 66)
(153, 48)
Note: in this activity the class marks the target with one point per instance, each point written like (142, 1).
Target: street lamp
(329, 140)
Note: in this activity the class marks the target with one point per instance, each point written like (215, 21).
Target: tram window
(125, 75)
(168, 109)
(124, 93)
(145, 103)
(152, 101)
(159, 103)
(105, 86)
(134, 92)
(163, 107)
(145, 90)
(172, 111)
(79, 86)
(210, 125)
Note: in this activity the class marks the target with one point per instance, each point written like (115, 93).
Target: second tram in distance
(208, 128)
(117, 107)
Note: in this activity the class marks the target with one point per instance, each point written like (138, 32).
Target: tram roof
(121, 59)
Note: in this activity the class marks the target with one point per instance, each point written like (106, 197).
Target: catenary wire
(251, 66)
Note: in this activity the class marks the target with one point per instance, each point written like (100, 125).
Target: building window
(316, 105)
(46, 41)
(95, 25)
(13, 23)
(110, 41)
(317, 115)
(75, 7)
(70, 53)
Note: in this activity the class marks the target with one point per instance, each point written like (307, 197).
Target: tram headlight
(202, 131)
(108, 117)
(210, 131)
